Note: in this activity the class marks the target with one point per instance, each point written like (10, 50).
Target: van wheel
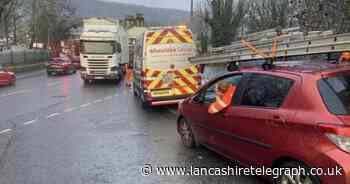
(304, 178)
(134, 91)
(144, 102)
(186, 134)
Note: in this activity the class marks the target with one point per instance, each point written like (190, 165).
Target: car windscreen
(94, 47)
(335, 92)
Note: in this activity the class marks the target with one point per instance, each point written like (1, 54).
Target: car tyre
(186, 134)
(287, 179)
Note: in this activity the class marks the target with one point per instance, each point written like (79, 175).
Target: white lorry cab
(104, 48)
(162, 71)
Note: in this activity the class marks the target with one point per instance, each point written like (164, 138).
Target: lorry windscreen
(98, 47)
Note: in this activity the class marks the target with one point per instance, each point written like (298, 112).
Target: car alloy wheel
(301, 178)
(186, 134)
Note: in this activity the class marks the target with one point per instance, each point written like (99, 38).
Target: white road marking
(108, 98)
(85, 105)
(98, 101)
(52, 115)
(30, 122)
(70, 109)
(53, 84)
(15, 93)
(5, 131)
(116, 95)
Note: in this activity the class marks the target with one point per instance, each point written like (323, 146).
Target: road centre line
(5, 131)
(70, 109)
(85, 105)
(15, 93)
(53, 115)
(30, 122)
(98, 101)
(108, 98)
(53, 84)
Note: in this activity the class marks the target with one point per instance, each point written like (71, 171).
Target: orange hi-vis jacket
(222, 101)
(129, 75)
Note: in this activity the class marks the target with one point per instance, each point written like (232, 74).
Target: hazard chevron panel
(180, 82)
(169, 36)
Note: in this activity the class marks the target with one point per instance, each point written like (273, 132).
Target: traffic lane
(107, 142)
(64, 91)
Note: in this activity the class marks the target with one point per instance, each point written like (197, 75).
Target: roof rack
(291, 43)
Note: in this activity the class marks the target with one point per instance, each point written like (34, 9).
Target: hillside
(153, 16)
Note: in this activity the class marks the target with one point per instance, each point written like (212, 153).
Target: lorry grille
(98, 67)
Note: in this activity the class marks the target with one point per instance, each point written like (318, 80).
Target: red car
(60, 66)
(286, 117)
(6, 77)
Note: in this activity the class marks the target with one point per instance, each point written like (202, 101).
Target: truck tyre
(87, 82)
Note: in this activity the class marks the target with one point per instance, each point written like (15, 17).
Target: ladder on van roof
(292, 42)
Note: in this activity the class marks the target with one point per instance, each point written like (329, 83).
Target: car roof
(320, 68)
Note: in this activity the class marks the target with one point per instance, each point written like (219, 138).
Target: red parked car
(286, 117)
(6, 77)
(60, 66)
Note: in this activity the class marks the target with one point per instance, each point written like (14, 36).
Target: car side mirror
(197, 99)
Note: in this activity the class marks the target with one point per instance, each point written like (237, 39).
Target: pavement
(56, 130)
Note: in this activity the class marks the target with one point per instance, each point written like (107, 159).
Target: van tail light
(339, 135)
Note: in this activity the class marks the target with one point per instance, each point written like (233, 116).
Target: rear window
(335, 92)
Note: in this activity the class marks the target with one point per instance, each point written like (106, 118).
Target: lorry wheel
(87, 82)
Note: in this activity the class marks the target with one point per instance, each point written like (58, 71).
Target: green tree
(224, 18)
(267, 14)
(52, 20)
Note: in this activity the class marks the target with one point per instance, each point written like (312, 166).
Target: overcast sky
(177, 4)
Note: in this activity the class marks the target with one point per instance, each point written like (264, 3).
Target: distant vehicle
(287, 117)
(6, 77)
(162, 73)
(60, 66)
(104, 48)
(75, 61)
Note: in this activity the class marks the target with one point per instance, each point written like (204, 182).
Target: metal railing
(23, 56)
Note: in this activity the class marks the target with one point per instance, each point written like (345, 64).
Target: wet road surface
(56, 130)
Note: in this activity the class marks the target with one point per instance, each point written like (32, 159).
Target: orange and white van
(162, 72)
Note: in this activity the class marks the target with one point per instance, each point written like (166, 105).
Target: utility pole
(192, 8)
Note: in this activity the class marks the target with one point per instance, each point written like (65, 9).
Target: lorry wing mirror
(118, 47)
